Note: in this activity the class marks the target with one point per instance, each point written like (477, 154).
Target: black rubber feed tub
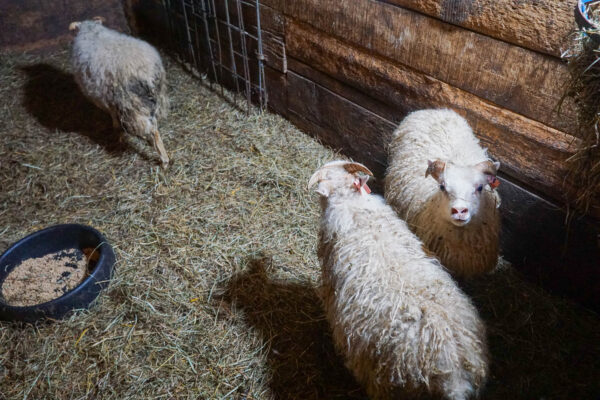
(50, 240)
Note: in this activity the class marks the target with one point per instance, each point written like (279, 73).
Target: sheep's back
(108, 63)
(395, 313)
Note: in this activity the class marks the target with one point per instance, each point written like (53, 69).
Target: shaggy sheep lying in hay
(399, 319)
(455, 214)
(124, 76)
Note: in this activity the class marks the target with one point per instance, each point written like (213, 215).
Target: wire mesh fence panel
(222, 39)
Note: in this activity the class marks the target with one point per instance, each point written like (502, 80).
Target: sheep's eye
(479, 188)
(442, 188)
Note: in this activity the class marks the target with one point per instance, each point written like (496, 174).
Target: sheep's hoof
(164, 164)
(160, 148)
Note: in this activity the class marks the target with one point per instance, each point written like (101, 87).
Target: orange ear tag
(495, 182)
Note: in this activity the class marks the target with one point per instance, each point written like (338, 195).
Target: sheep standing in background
(124, 76)
(455, 213)
(398, 318)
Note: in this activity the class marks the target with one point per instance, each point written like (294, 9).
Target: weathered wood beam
(275, 4)
(377, 106)
(564, 259)
(342, 125)
(540, 25)
(520, 80)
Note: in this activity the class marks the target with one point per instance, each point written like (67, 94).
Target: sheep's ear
(324, 188)
(488, 167)
(99, 20)
(315, 178)
(360, 184)
(73, 26)
(435, 169)
(362, 179)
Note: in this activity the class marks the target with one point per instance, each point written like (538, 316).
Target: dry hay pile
(214, 294)
(583, 86)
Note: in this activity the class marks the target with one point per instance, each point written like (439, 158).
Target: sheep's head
(74, 26)
(340, 176)
(462, 187)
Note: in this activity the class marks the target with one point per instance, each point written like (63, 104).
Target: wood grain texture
(540, 25)
(27, 25)
(515, 78)
(529, 151)
(338, 122)
(561, 259)
(377, 106)
(273, 36)
(275, 4)
(277, 94)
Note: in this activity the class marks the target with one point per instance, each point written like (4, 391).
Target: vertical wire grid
(213, 16)
(167, 6)
(190, 45)
(262, 83)
(197, 44)
(203, 6)
(232, 53)
(243, 34)
(197, 34)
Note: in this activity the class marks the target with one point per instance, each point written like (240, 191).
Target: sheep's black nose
(459, 210)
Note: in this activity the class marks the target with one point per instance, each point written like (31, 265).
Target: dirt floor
(214, 291)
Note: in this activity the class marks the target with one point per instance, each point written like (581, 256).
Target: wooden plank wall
(348, 71)
(33, 25)
(541, 25)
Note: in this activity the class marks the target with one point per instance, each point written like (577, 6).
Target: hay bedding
(214, 293)
(583, 87)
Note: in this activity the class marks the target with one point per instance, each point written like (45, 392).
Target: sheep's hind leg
(115, 121)
(116, 124)
(160, 148)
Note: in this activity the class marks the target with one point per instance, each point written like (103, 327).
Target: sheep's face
(340, 177)
(462, 188)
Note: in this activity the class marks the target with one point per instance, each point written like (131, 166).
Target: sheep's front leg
(160, 148)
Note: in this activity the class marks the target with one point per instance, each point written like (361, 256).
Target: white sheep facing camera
(443, 183)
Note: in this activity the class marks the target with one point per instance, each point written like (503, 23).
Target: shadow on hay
(290, 319)
(541, 347)
(54, 99)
